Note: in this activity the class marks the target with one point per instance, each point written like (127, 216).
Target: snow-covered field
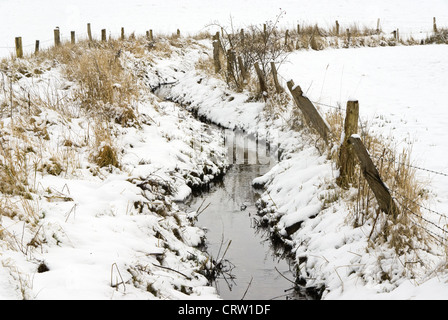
(92, 234)
(35, 20)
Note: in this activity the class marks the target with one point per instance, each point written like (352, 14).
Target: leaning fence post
(19, 49)
(371, 174)
(346, 161)
(312, 116)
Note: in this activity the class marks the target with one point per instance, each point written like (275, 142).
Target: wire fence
(441, 233)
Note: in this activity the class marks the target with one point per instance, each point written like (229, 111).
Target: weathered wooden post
(278, 87)
(147, 35)
(103, 35)
(72, 37)
(265, 32)
(36, 47)
(261, 80)
(434, 25)
(151, 36)
(371, 174)
(57, 37)
(348, 37)
(313, 42)
(346, 161)
(19, 48)
(231, 64)
(398, 35)
(244, 73)
(298, 29)
(378, 26)
(178, 33)
(216, 52)
(309, 111)
(122, 33)
(286, 37)
(337, 28)
(89, 31)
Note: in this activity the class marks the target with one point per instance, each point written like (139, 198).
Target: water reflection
(252, 267)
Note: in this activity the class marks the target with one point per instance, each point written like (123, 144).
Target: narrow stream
(252, 268)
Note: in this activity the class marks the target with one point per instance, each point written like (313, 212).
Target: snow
(411, 17)
(98, 235)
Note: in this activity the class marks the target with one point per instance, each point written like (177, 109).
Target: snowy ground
(91, 233)
(337, 254)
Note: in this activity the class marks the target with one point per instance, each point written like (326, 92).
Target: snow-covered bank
(71, 229)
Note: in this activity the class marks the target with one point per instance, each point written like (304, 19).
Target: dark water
(252, 268)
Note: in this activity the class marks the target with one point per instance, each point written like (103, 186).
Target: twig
(182, 274)
(250, 282)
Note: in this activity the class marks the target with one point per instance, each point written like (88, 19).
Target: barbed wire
(386, 159)
(424, 219)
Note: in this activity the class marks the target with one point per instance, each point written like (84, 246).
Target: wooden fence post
(19, 48)
(244, 73)
(122, 33)
(286, 37)
(216, 52)
(261, 80)
(346, 161)
(312, 116)
(348, 37)
(434, 25)
(151, 36)
(89, 31)
(72, 36)
(298, 29)
(278, 87)
(378, 26)
(103, 35)
(36, 47)
(337, 28)
(370, 172)
(178, 33)
(57, 37)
